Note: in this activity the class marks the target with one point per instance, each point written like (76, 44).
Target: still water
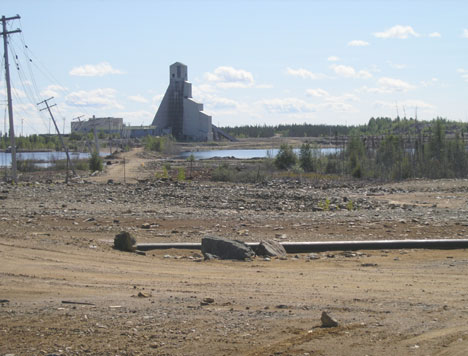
(45, 157)
(256, 153)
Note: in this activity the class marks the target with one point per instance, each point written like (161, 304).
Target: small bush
(27, 165)
(95, 162)
(225, 173)
(158, 144)
(181, 174)
(286, 158)
(306, 160)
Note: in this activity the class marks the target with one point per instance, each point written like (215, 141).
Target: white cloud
(333, 59)
(287, 106)
(465, 33)
(333, 103)
(389, 85)
(303, 73)
(435, 35)
(397, 31)
(157, 98)
(136, 118)
(350, 72)
(411, 103)
(214, 103)
(319, 93)
(394, 84)
(53, 90)
(464, 74)
(14, 93)
(156, 101)
(94, 70)
(337, 106)
(97, 98)
(229, 77)
(358, 43)
(138, 98)
(264, 86)
(428, 83)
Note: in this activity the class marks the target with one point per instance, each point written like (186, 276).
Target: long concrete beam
(320, 246)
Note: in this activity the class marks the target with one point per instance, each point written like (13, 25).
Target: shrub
(158, 144)
(181, 174)
(286, 158)
(306, 161)
(95, 162)
(225, 173)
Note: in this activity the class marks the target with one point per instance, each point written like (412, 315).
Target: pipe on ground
(321, 246)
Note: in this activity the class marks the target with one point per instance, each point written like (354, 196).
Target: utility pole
(5, 34)
(58, 132)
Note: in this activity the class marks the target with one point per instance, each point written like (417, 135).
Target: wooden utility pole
(58, 132)
(5, 34)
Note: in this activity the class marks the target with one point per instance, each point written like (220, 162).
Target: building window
(178, 71)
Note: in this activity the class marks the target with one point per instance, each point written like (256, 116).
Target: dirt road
(387, 302)
(127, 167)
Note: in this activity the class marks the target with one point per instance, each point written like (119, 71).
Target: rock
(328, 321)
(123, 241)
(270, 248)
(209, 256)
(207, 301)
(313, 256)
(143, 295)
(146, 226)
(226, 249)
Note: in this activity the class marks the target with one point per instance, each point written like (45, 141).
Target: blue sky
(250, 62)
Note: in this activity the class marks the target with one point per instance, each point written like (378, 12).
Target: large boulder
(225, 249)
(123, 241)
(270, 248)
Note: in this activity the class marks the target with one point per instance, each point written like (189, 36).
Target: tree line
(432, 154)
(375, 126)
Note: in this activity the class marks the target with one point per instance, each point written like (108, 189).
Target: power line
(5, 34)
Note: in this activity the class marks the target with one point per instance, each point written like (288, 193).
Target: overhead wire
(34, 61)
(33, 98)
(26, 75)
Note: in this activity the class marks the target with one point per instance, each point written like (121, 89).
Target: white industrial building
(179, 115)
(104, 124)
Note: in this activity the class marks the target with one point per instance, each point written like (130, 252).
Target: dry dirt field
(65, 291)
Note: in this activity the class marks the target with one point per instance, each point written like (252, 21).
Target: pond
(253, 153)
(45, 157)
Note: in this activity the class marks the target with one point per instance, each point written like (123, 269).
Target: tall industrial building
(178, 113)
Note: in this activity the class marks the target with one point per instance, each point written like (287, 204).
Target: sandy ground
(65, 291)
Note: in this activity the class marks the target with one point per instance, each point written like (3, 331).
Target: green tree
(306, 159)
(286, 158)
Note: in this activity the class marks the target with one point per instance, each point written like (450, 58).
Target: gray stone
(209, 256)
(270, 248)
(123, 241)
(328, 321)
(226, 249)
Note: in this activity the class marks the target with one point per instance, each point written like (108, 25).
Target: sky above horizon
(250, 62)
